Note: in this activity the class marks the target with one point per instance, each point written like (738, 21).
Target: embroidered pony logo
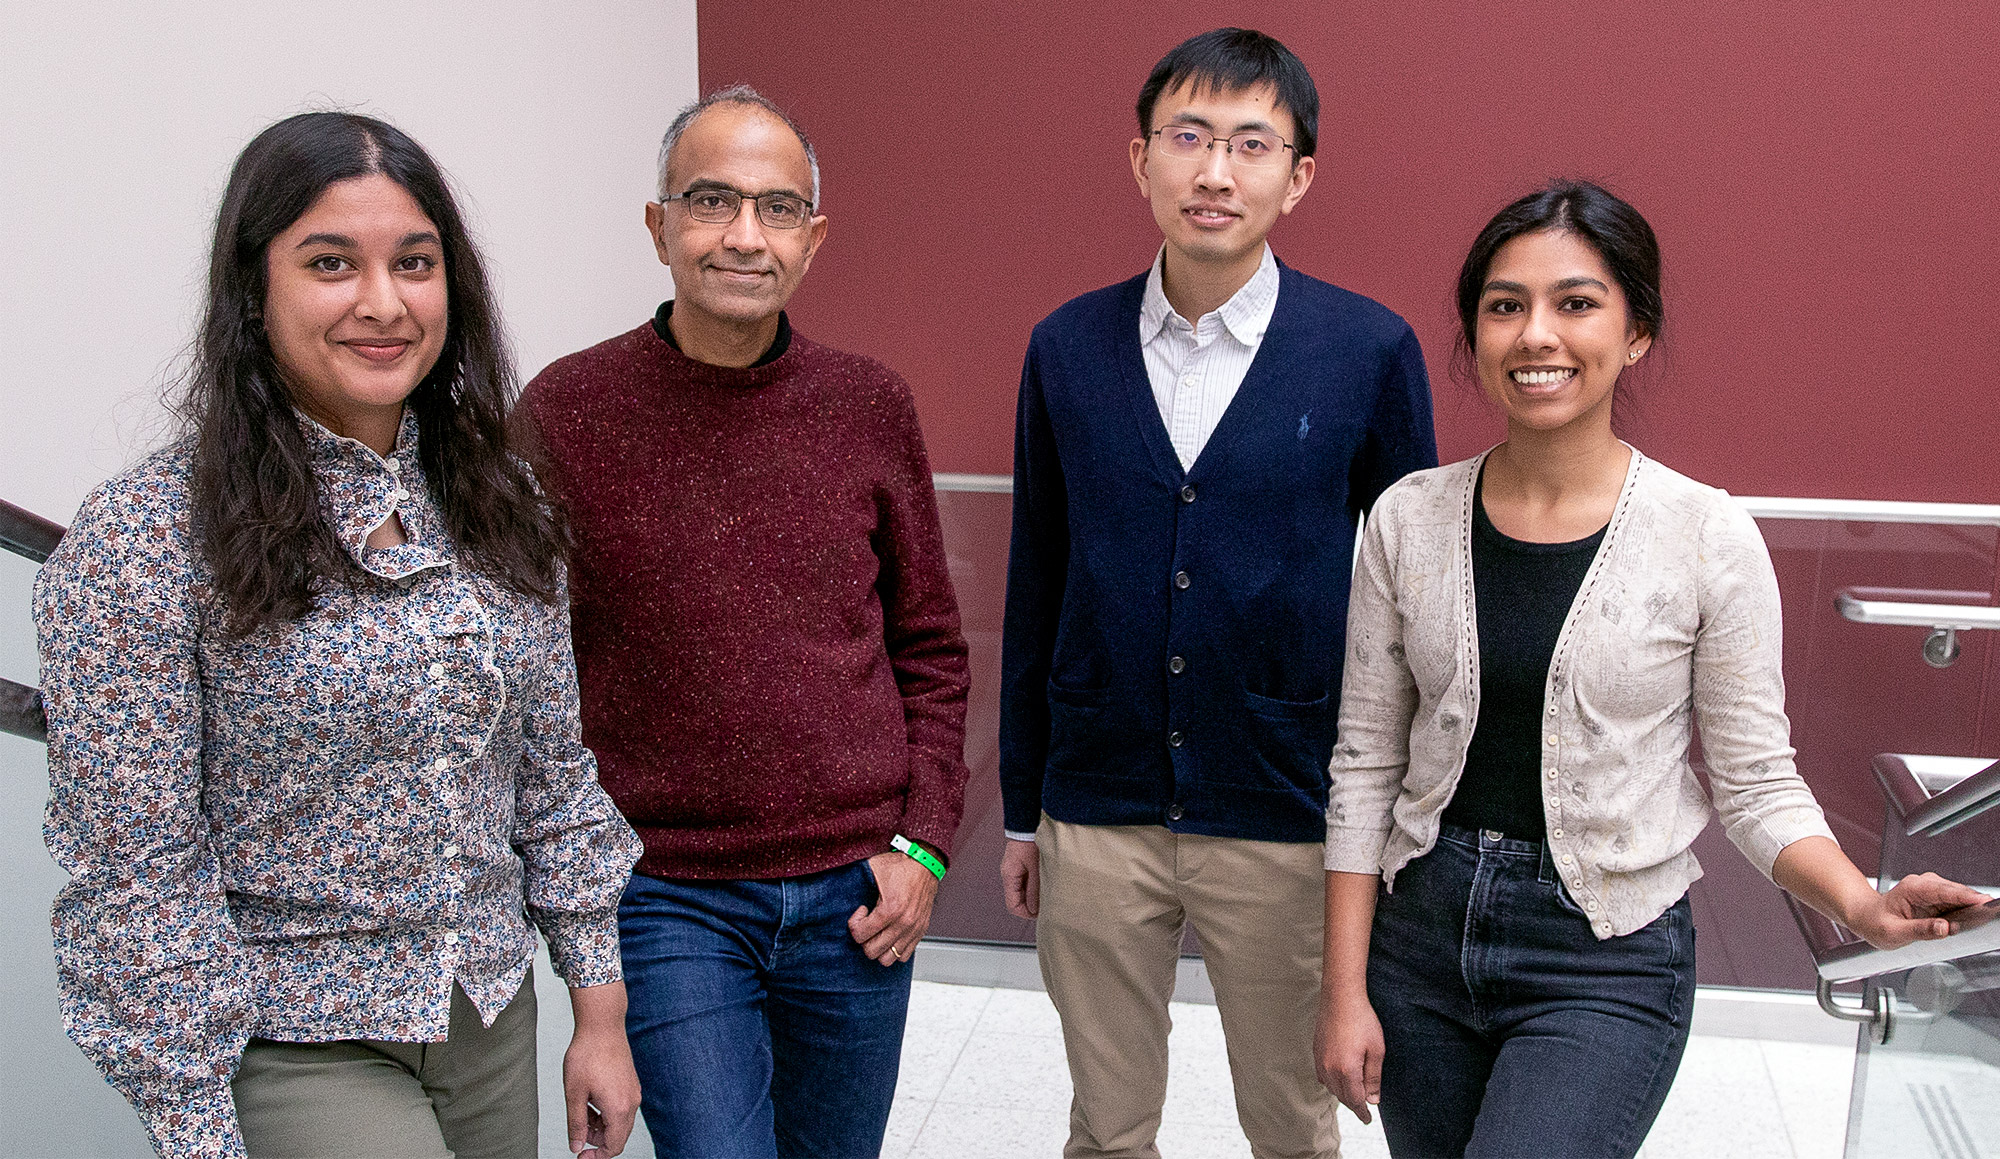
(1305, 425)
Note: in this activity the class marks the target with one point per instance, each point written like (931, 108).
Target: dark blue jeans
(1508, 1028)
(758, 1027)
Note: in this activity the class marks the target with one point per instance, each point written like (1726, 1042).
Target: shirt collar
(1246, 315)
(780, 342)
(360, 489)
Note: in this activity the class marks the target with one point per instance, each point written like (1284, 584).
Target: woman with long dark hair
(315, 760)
(1509, 959)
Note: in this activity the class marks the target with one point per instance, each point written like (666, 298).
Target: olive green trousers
(472, 1096)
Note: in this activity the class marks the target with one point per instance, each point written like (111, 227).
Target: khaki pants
(1114, 901)
(472, 1096)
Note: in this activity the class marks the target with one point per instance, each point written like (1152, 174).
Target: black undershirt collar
(779, 344)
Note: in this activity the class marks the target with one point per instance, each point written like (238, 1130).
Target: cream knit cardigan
(1676, 622)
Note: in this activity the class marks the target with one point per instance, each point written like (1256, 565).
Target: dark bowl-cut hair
(1613, 228)
(255, 499)
(1229, 59)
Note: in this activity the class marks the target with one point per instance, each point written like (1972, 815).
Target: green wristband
(918, 854)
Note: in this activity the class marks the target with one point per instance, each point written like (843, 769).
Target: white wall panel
(118, 123)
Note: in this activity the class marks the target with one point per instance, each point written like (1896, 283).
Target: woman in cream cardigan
(1509, 960)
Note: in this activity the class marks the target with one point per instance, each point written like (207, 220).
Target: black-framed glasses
(719, 205)
(1190, 142)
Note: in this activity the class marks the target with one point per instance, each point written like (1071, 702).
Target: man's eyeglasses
(1190, 142)
(719, 206)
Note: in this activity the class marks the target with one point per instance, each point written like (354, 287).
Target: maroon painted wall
(1821, 175)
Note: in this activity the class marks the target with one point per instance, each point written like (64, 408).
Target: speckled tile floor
(983, 1076)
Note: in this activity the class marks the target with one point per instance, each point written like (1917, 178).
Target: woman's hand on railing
(1911, 912)
(1819, 874)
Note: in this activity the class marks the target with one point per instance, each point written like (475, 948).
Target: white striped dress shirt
(1195, 369)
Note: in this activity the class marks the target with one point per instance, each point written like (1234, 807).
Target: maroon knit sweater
(773, 676)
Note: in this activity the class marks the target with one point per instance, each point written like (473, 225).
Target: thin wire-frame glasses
(719, 206)
(1190, 142)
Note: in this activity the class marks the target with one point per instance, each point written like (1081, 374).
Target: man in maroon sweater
(773, 676)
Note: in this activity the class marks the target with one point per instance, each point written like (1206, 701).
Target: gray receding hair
(738, 94)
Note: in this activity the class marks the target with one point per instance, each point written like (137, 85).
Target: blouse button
(1555, 833)
(441, 764)
(1550, 739)
(1591, 906)
(1552, 774)
(437, 672)
(451, 936)
(1566, 859)
(451, 851)
(391, 463)
(1552, 710)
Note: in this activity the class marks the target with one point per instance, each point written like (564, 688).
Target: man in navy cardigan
(1185, 504)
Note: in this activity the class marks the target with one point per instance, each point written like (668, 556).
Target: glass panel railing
(976, 527)
(1854, 690)
(1927, 1064)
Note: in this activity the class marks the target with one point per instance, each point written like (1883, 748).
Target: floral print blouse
(310, 834)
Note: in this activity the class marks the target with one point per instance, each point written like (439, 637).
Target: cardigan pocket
(1271, 706)
(1286, 744)
(1084, 729)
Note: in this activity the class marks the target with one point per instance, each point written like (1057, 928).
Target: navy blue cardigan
(1173, 639)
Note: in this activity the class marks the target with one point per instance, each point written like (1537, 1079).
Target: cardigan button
(1174, 739)
(1187, 493)
(1181, 580)
(1175, 812)
(1176, 665)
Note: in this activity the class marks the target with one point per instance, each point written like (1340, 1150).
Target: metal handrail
(25, 534)
(1958, 617)
(21, 712)
(948, 481)
(1853, 959)
(1871, 510)
(1961, 788)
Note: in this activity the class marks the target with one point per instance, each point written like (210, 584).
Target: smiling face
(1554, 332)
(356, 304)
(739, 274)
(1212, 209)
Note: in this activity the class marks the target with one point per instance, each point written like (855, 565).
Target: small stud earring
(1634, 356)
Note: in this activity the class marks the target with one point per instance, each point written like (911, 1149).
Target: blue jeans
(758, 1026)
(1508, 1028)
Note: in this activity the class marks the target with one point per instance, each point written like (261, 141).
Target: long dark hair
(1618, 232)
(256, 502)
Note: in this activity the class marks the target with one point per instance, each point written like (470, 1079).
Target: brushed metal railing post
(1879, 1018)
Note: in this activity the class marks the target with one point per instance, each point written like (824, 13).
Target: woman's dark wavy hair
(1613, 228)
(256, 501)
